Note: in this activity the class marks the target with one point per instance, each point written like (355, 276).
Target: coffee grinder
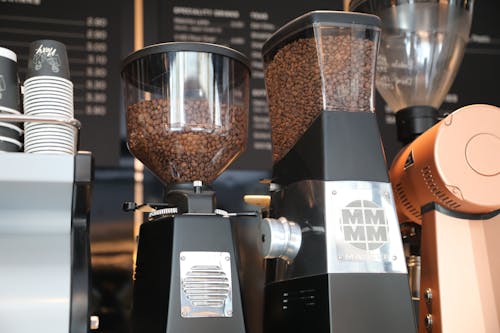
(45, 199)
(336, 261)
(445, 181)
(187, 115)
(422, 46)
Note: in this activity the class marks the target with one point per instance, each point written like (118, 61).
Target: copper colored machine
(447, 180)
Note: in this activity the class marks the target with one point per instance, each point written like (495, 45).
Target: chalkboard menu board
(99, 34)
(246, 25)
(242, 25)
(95, 33)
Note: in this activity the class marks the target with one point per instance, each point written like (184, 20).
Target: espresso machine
(445, 181)
(187, 117)
(335, 256)
(45, 199)
(44, 240)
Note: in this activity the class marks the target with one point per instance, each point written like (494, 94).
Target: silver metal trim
(206, 284)
(280, 239)
(162, 212)
(380, 251)
(317, 206)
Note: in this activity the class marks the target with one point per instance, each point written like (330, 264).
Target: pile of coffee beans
(295, 88)
(195, 143)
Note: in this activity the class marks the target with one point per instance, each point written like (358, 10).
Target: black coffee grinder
(336, 261)
(187, 116)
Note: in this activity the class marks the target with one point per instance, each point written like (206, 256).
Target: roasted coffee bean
(303, 79)
(189, 142)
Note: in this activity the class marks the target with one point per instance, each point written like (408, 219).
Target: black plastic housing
(415, 120)
(337, 146)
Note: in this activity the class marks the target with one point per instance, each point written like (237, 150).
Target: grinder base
(340, 303)
(181, 261)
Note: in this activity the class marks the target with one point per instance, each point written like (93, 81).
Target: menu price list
(231, 27)
(244, 27)
(91, 34)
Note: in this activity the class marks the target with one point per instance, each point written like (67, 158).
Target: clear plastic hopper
(186, 109)
(323, 60)
(421, 49)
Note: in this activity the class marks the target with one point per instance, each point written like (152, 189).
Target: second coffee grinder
(338, 262)
(187, 116)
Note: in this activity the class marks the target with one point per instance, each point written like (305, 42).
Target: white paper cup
(47, 79)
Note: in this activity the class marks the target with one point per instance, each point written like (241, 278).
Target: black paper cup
(9, 83)
(9, 145)
(48, 58)
(11, 131)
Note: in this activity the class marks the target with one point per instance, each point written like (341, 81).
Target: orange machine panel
(456, 164)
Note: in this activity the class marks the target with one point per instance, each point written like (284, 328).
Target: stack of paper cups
(48, 92)
(10, 133)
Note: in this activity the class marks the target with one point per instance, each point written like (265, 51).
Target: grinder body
(349, 273)
(186, 278)
(447, 181)
(341, 268)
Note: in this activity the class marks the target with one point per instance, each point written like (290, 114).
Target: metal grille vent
(400, 192)
(206, 286)
(436, 191)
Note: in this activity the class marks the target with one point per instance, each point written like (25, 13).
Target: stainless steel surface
(206, 284)
(35, 242)
(347, 227)
(280, 239)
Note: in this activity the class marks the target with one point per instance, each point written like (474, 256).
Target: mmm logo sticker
(364, 225)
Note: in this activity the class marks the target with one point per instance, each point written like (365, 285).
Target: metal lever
(224, 213)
